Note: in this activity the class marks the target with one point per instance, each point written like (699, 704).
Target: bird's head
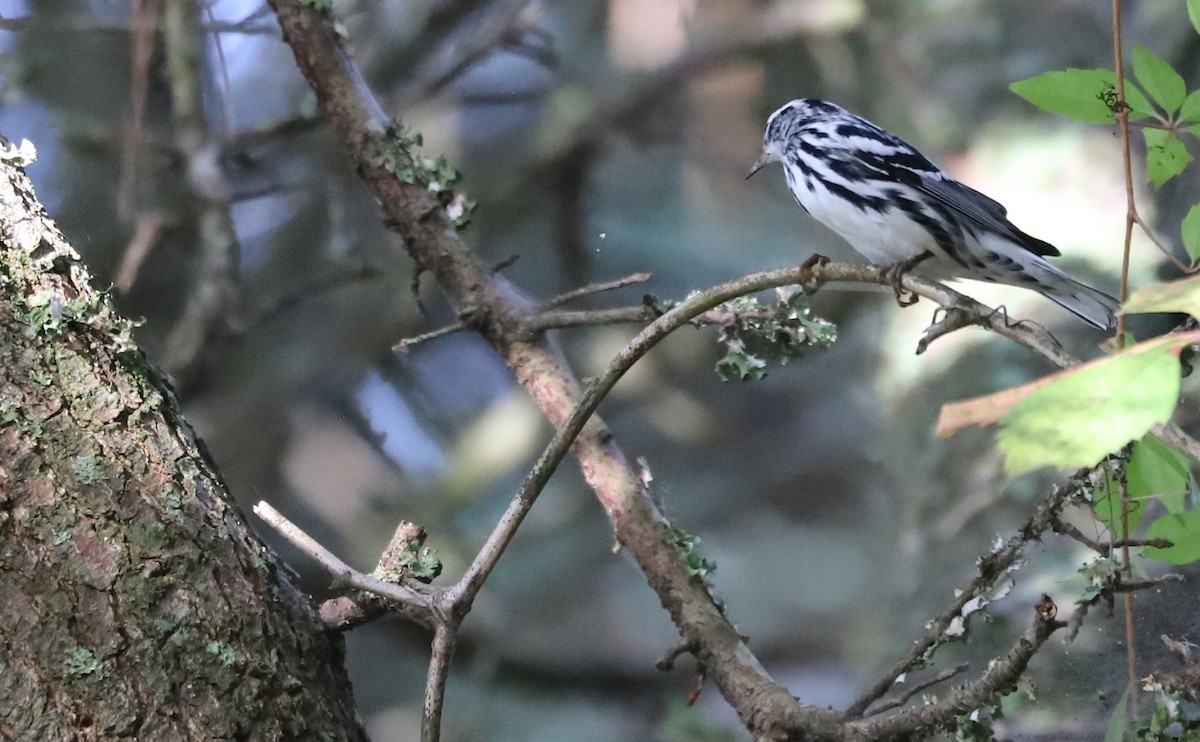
(784, 126)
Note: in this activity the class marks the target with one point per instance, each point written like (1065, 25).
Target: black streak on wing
(909, 167)
(984, 211)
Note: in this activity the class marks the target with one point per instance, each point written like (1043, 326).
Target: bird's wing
(986, 212)
(908, 166)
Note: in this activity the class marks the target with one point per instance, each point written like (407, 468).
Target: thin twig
(953, 319)
(1114, 584)
(1106, 548)
(145, 237)
(1183, 267)
(406, 344)
(413, 596)
(596, 288)
(1122, 117)
(288, 128)
(306, 289)
(941, 677)
(995, 681)
(667, 663)
(444, 639)
(214, 285)
(992, 567)
(468, 44)
(557, 319)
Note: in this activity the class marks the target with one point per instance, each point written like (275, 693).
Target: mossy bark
(134, 600)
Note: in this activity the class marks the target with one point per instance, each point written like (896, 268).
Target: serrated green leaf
(1082, 416)
(1159, 79)
(1075, 93)
(1182, 529)
(1181, 295)
(1193, 7)
(1190, 232)
(1166, 156)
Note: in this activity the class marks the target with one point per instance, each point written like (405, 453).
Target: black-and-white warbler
(898, 209)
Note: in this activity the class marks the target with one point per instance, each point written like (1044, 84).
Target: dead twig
(904, 698)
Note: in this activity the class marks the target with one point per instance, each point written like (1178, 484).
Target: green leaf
(1082, 416)
(1190, 110)
(1139, 105)
(1166, 156)
(1074, 93)
(1118, 723)
(1190, 231)
(1182, 529)
(1193, 7)
(1156, 469)
(1182, 295)
(1083, 95)
(1159, 79)
(1106, 505)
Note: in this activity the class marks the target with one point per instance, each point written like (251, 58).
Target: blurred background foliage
(600, 138)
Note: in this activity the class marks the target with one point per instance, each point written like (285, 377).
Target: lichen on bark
(134, 600)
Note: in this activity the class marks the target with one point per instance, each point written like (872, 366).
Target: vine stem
(1122, 116)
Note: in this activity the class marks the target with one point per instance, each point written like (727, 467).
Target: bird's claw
(895, 273)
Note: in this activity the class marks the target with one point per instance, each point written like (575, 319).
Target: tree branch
(1000, 676)
(992, 566)
(485, 303)
(926, 684)
(420, 601)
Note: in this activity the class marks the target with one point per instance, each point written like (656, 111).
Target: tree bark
(134, 600)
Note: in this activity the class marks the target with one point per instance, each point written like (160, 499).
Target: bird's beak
(762, 162)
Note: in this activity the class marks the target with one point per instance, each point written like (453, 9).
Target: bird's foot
(812, 261)
(895, 272)
(814, 281)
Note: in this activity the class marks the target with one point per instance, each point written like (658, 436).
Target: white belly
(882, 237)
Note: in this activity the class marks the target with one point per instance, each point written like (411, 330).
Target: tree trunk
(134, 600)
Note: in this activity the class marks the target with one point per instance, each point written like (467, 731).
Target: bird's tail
(1092, 306)
(1027, 270)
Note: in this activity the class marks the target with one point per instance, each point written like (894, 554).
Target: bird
(901, 211)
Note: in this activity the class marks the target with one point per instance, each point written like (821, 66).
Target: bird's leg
(816, 260)
(896, 271)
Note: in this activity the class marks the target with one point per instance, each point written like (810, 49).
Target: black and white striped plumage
(893, 205)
